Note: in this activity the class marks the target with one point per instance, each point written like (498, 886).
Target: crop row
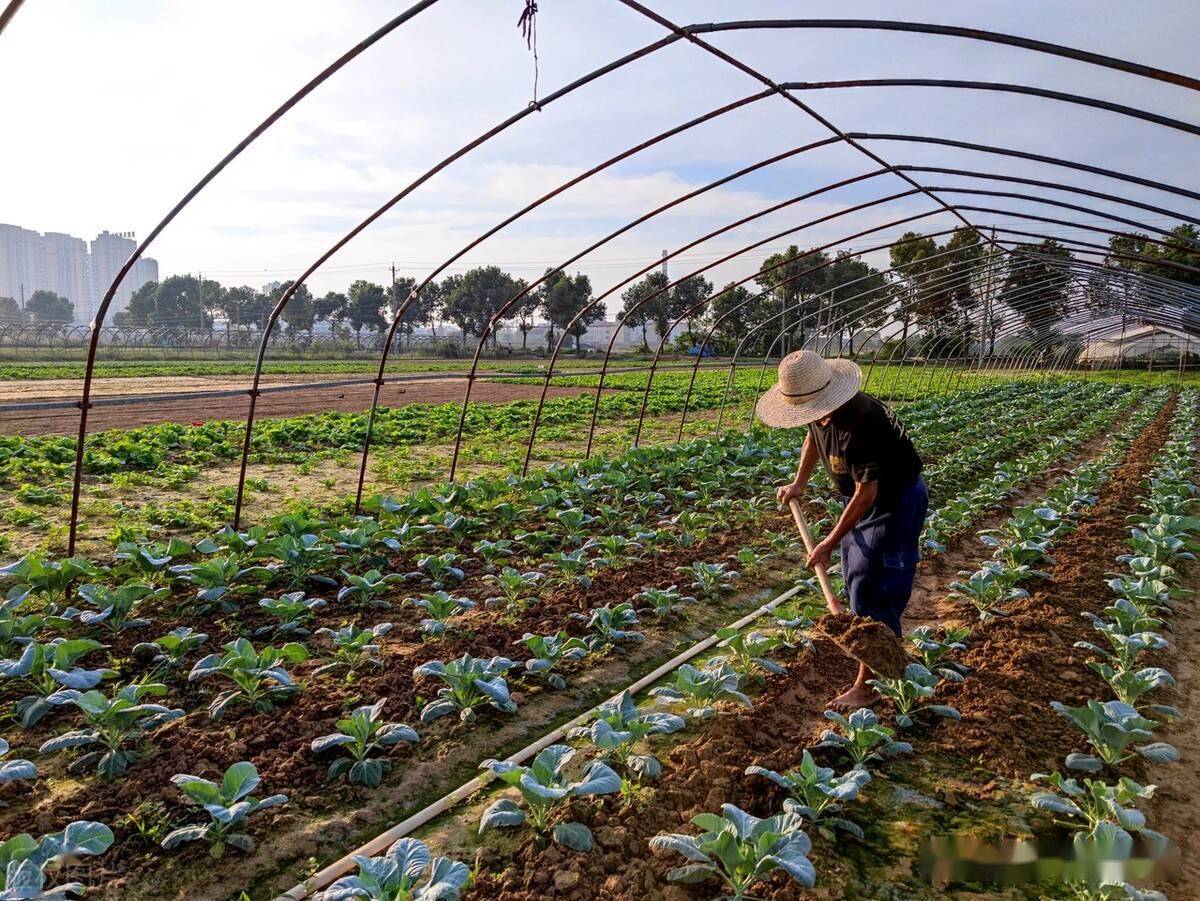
(642, 502)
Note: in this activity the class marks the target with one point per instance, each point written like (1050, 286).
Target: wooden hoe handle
(835, 606)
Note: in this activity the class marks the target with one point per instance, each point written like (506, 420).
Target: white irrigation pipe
(383, 841)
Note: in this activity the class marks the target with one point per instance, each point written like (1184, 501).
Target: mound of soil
(866, 640)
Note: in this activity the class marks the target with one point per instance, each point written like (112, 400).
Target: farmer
(872, 462)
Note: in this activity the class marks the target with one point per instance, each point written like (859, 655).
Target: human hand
(821, 555)
(785, 493)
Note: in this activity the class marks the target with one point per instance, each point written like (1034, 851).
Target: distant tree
(856, 297)
(365, 308)
(300, 310)
(1035, 284)
(10, 310)
(910, 257)
(140, 308)
(795, 281)
(562, 297)
(245, 308)
(177, 303)
(734, 303)
(650, 302)
(527, 310)
(46, 306)
(686, 295)
(331, 307)
(1183, 247)
(476, 297)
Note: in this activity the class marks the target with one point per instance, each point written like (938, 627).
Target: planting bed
(594, 550)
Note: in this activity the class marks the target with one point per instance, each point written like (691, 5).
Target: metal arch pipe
(504, 223)
(716, 324)
(974, 34)
(1032, 157)
(600, 298)
(1000, 87)
(106, 301)
(9, 12)
(701, 303)
(428, 174)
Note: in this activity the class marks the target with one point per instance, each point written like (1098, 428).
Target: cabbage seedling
(469, 683)
(47, 669)
(663, 601)
(362, 735)
(748, 558)
(1126, 618)
(573, 523)
(304, 557)
(24, 860)
(515, 586)
(441, 568)
(441, 607)
(293, 610)
(1125, 648)
(228, 804)
(550, 650)
(609, 626)
(862, 737)
(113, 725)
(170, 650)
(367, 590)
(709, 579)
(16, 631)
(48, 579)
(217, 577)
(113, 607)
(740, 849)
(12, 770)
(363, 542)
(619, 730)
(258, 676)
(915, 686)
(614, 551)
(353, 646)
(988, 587)
(816, 793)
(571, 567)
(544, 785)
(152, 562)
(936, 648)
(492, 552)
(394, 876)
(702, 689)
(747, 652)
(1103, 815)
(1111, 728)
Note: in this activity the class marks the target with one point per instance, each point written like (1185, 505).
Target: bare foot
(853, 698)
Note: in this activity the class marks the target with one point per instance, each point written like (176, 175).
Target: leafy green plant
(48, 579)
(17, 630)
(1111, 728)
(363, 736)
(48, 668)
(862, 737)
(468, 683)
(368, 589)
(170, 650)
(663, 601)
(151, 562)
(292, 610)
(817, 793)
(935, 647)
(441, 568)
(13, 770)
(305, 557)
(703, 689)
(217, 578)
(609, 626)
(441, 607)
(910, 691)
(545, 786)
(113, 726)
(516, 587)
(229, 805)
(258, 676)
(113, 607)
(709, 579)
(353, 646)
(614, 551)
(740, 850)
(571, 567)
(748, 558)
(24, 860)
(492, 552)
(548, 651)
(746, 652)
(395, 875)
(990, 586)
(620, 730)
(1101, 814)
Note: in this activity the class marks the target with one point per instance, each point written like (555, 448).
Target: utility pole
(396, 306)
(22, 297)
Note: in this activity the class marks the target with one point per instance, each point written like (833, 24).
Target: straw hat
(809, 388)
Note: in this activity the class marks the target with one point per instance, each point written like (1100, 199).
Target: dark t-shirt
(865, 442)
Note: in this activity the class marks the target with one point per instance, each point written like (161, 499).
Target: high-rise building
(56, 262)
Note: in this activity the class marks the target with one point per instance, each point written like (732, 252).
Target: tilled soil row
(701, 775)
(1021, 662)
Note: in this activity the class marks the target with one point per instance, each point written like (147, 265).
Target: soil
(867, 641)
(272, 405)
(1021, 662)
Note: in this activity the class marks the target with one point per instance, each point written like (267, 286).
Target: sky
(115, 108)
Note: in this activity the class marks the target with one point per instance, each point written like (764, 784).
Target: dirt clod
(867, 641)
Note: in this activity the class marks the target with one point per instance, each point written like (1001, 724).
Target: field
(220, 714)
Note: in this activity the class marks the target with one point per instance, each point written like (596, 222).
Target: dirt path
(346, 399)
